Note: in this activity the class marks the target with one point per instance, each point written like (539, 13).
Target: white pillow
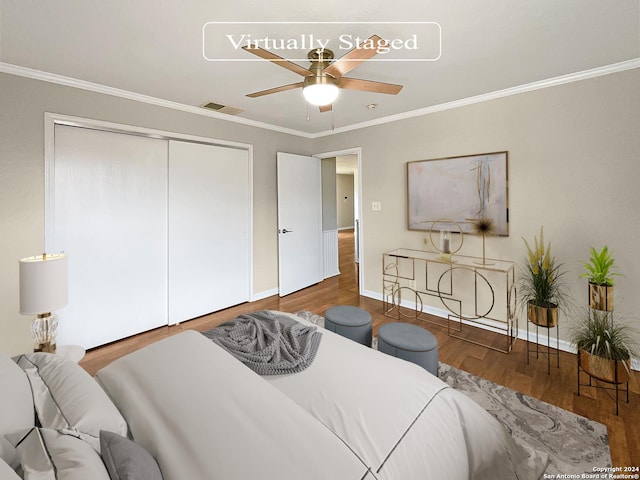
(16, 406)
(68, 399)
(6, 472)
(48, 455)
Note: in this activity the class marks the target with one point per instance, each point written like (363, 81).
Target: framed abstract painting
(459, 190)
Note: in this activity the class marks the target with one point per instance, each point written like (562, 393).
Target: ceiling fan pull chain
(308, 115)
(333, 126)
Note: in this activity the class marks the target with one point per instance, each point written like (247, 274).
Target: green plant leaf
(599, 269)
(598, 333)
(541, 281)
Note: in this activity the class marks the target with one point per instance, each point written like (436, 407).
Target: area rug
(575, 444)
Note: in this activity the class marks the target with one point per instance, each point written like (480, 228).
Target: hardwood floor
(559, 388)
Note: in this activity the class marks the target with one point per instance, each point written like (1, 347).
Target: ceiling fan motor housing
(321, 79)
(320, 59)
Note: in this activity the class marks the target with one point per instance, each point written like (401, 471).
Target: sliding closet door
(110, 217)
(209, 225)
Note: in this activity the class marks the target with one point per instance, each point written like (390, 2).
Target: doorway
(330, 166)
(347, 212)
(338, 251)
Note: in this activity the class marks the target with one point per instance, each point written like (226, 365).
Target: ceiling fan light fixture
(320, 90)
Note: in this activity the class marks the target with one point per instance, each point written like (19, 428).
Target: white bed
(353, 414)
(401, 420)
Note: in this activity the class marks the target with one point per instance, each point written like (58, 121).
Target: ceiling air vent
(222, 108)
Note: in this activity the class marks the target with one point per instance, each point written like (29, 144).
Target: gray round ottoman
(351, 322)
(411, 343)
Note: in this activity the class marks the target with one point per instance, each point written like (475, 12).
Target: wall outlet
(412, 284)
(376, 206)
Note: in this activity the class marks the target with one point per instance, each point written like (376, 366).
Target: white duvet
(355, 413)
(402, 421)
(205, 416)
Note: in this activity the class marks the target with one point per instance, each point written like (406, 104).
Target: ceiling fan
(324, 78)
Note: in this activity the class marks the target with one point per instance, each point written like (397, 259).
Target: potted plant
(540, 285)
(605, 346)
(599, 271)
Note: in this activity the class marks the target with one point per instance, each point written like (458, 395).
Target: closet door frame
(53, 119)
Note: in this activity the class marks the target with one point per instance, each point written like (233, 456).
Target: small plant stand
(545, 351)
(617, 381)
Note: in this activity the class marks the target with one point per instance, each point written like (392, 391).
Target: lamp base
(45, 347)
(44, 329)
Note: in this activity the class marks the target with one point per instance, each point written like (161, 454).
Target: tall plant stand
(545, 352)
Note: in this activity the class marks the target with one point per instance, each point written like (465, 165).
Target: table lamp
(43, 288)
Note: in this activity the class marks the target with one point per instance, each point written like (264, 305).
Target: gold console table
(475, 292)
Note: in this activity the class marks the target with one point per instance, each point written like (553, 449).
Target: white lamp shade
(321, 94)
(43, 283)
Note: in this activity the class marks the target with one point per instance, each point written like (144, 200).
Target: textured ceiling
(156, 48)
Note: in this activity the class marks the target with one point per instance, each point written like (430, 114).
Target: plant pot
(543, 316)
(603, 368)
(601, 297)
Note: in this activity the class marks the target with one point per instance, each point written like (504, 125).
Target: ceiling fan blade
(272, 57)
(326, 108)
(355, 57)
(369, 86)
(283, 88)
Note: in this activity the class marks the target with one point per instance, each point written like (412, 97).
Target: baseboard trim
(332, 274)
(564, 345)
(262, 295)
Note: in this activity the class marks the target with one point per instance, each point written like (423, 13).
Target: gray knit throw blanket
(268, 342)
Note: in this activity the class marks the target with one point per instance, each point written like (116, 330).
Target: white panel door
(209, 225)
(110, 217)
(299, 222)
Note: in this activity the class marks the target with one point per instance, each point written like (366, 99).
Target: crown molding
(529, 87)
(117, 92)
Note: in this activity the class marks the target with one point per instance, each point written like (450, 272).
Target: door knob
(284, 230)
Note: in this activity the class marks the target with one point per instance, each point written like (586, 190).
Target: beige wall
(574, 165)
(345, 199)
(23, 103)
(329, 211)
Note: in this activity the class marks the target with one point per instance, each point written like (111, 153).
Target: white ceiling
(155, 48)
